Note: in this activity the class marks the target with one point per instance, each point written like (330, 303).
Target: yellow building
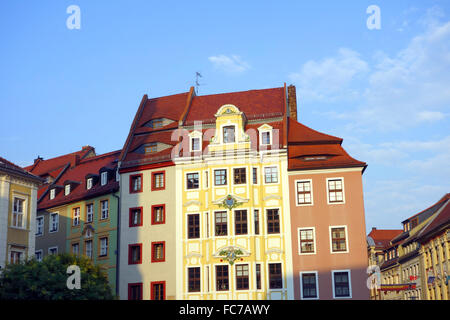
(233, 241)
(18, 198)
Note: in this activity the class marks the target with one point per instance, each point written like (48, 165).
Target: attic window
(314, 158)
(156, 123)
(104, 178)
(89, 183)
(52, 194)
(67, 189)
(152, 148)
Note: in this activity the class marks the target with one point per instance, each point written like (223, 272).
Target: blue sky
(386, 91)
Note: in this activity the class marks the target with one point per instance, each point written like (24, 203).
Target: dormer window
(52, 194)
(104, 178)
(265, 137)
(156, 123)
(228, 134)
(195, 144)
(67, 189)
(89, 183)
(152, 148)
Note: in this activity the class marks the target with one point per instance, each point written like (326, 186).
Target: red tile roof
(12, 168)
(383, 237)
(91, 165)
(310, 149)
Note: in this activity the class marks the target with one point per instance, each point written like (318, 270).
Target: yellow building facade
(233, 236)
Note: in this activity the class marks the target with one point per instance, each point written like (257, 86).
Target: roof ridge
(100, 156)
(232, 92)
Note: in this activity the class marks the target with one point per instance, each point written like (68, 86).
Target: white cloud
(330, 78)
(230, 64)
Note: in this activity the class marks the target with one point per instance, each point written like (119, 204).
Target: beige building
(18, 205)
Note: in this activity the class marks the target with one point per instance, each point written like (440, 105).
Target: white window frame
(199, 181)
(89, 183)
(296, 193)
(349, 283)
(76, 218)
(195, 135)
(103, 247)
(104, 178)
(299, 242)
(21, 254)
(235, 132)
(103, 210)
(51, 248)
(264, 175)
(50, 224)
(91, 248)
(22, 214)
(89, 213)
(52, 193)
(317, 284)
(67, 189)
(40, 225)
(41, 252)
(331, 239)
(72, 247)
(328, 191)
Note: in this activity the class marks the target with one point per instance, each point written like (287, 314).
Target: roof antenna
(197, 84)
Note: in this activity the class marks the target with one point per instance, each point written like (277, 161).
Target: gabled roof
(77, 175)
(382, 237)
(11, 168)
(309, 149)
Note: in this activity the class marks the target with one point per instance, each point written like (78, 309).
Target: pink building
(327, 215)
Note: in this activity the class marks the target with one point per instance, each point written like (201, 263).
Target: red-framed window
(159, 251)
(135, 253)
(158, 290)
(136, 182)
(159, 214)
(136, 217)
(158, 180)
(135, 291)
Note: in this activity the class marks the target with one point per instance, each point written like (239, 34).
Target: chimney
(292, 102)
(374, 228)
(38, 159)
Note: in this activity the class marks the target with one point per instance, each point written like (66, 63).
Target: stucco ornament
(229, 202)
(231, 254)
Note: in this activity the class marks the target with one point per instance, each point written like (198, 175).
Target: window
(242, 277)
(54, 222)
(309, 285)
(67, 189)
(158, 251)
(156, 123)
(89, 212)
(192, 180)
(39, 226)
(38, 255)
(304, 192)
(158, 214)
(88, 248)
(158, 180)
(76, 217)
(221, 223)
(89, 183)
(195, 144)
(273, 221)
(239, 176)
(194, 279)
(103, 247)
(104, 178)
(18, 213)
(151, 148)
(136, 183)
(258, 276)
(222, 283)
(265, 138)
(228, 134)
(52, 194)
(306, 237)
(220, 177)
(271, 175)
(256, 214)
(275, 278)
(76, 248)
(135, 291)
(53, 250)
(193, 226)
(104, 210)
(135, 217)
(135, 253)
(158, 290)
(414, 223)
(338, 239)
(240, 222)
(15, 257)
(341, 284)
(335, 191)
(255, 175)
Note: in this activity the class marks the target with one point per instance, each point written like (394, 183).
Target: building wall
(147, 271)
(55, 238)
(321, 215)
